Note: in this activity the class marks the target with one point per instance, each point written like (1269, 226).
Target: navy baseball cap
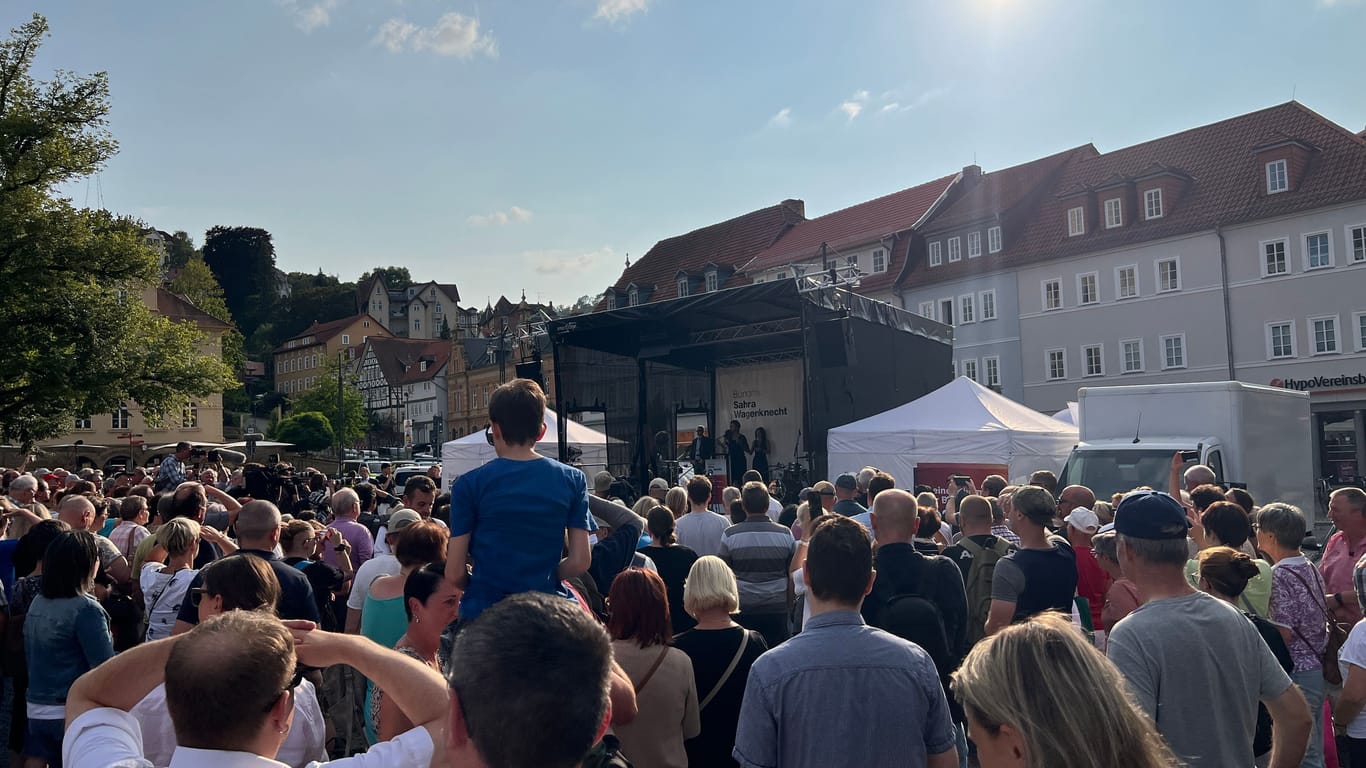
(1151, 515)
(848, 481)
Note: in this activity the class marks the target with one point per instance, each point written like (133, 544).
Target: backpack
(914, 616)
(978, 583)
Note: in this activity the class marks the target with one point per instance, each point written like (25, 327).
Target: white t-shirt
(162, 594)
(775, 509)
(111, 738)
(305, 743)
(375, 567)
(701, 531)
(1354, 653)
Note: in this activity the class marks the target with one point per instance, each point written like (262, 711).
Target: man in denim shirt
(891, 708)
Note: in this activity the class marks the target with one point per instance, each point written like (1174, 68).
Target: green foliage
(243, 261)
(197, 283)
(81, 339)
(180, 250)
(308, 431)
(583, 306)
(395, 278)
(315, 300)
(445, 328)
(323, 399)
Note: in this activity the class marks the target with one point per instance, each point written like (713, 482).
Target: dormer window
(879, 261)
(633, 297)
(955, 249)
(682, 286)
(1152, 204)
(711, 282)
(994, 240)
(611, 300)
(1277, 180)
(1114, 213)
(936, 257)
(1076, 221)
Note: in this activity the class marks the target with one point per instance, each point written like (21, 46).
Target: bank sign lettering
(1321, 382)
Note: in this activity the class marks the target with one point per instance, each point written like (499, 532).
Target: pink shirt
(358, 536)
(1339, 559)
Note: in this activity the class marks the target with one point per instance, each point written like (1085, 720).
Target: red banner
(940, 476)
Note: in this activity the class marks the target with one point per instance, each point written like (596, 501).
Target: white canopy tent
(962, 422)
(473, 450)
(1068, 415)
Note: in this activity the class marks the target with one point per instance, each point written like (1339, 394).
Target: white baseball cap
(1083, 519)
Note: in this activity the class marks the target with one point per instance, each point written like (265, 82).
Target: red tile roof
(178, 307)
(1227, 184)
(399, 359)
(321, 332)
(858, 224)
(730, 244)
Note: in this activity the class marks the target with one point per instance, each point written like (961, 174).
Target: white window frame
(84, 424)
(879, 260)
(1162, 348)
(1043, 294)
(189, 416)
(712, 280)
(346, 339)
(1048, 364)
(994, 240)
(1149, 197)
(973, 372)
(121, 418)
(927, 305)
(1304, 243)
(1086, 362)
(1076, 221)
(982, 303)
(1359, 325)
(682, 286)
(1313, 340)
(955, 249)
(1277, 171)
(633, 297)
(974, 244)
(967, 309)
(1284, 242)
(1270, 341)
(1157, 273)
(1349, 243)
(611, 300)
(1124, 358)
(1119, 282)
(953, 311)
(991, 371)
(936, 255)
(1095, 284)
(1115, 206)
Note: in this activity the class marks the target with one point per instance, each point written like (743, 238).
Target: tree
(583, 306)
(395, 278)
(197, 283)
(445, 328)
(308, 431)
(81, 341)
(323, 399)
(243, 261)
(180, 249)
(314, 300)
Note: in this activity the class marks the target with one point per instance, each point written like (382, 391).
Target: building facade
(302, 361)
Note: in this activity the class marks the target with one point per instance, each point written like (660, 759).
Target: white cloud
(854, 105)
(566, 262)
(311, 16)
(894, 103)
(454, 34)
(513, 215)
(612, 11)
(782, 119)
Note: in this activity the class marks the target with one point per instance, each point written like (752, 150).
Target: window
(1356, 236)
(879, 261)
(682, 286)
(435, 310)
(1076, 221)
(967, 310)
(1114, 213)
(1152, 204)
(189, 416)
(1323, 333)
(474, 399)
(946, 311)
(1174, 351)
(712, 282)
(121, 417)
(1093, 357)
(994, 240)
(1052, 294)
(1126, 281)
(1361, 331)
(955, 249)
(1276, 180)
(987, 300)
(83, 422)
(1088, 288)
(632, 297)
(1273, 259)
(927, 309)
(1168, 275)
(1131, 350)
(974, 244)
(611, 300)
(417, 326)
(1056, 363)
(346, 338)
(1318, 251)
(991, 367)
(1280, 340)
(935, 257)
(970, 369)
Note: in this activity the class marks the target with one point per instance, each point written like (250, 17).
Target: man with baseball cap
(846, 488)
(658, 488)
(1193, 663)
(1092, 581)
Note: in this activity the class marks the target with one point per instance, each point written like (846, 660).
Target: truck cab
(1119, 466)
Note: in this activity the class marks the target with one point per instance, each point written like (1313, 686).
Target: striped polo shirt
(759, 552)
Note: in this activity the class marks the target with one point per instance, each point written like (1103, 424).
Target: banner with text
(940, 476)
(768, 396)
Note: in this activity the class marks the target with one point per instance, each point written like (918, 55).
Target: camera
(198, 453)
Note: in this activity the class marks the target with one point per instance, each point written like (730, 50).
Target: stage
(793, 357)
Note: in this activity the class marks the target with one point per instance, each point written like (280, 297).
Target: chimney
(971, 173)
(798, 206)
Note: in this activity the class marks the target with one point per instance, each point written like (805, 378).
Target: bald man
(79, 513)
(258, 535)
(1075, 497)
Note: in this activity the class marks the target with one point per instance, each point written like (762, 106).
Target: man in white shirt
(229, 693)
(419, 493)
(700, 530)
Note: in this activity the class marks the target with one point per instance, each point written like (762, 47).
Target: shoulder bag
(653, 667)
(730, 669)
(1337, 633)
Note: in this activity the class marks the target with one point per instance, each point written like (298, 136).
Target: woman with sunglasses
(238, 583)
(164, 584)
(303, 542)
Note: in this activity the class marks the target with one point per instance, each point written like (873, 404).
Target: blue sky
(532, 144)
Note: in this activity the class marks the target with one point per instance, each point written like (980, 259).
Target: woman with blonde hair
(164, 585)
(1018, 685)
(677, 501)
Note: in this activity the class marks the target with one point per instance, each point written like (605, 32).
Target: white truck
(1248, 434)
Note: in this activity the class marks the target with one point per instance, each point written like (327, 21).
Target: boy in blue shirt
(515, 517)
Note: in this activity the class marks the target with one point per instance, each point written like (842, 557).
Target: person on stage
(760, 448)
(736, 448)
(702, 449)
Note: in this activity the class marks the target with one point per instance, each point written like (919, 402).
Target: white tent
(473, 450)
(962, 422)
(1068, 415)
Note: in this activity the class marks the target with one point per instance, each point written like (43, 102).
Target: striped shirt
(759, 552)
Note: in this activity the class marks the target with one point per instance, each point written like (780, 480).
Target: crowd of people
(190, 616)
